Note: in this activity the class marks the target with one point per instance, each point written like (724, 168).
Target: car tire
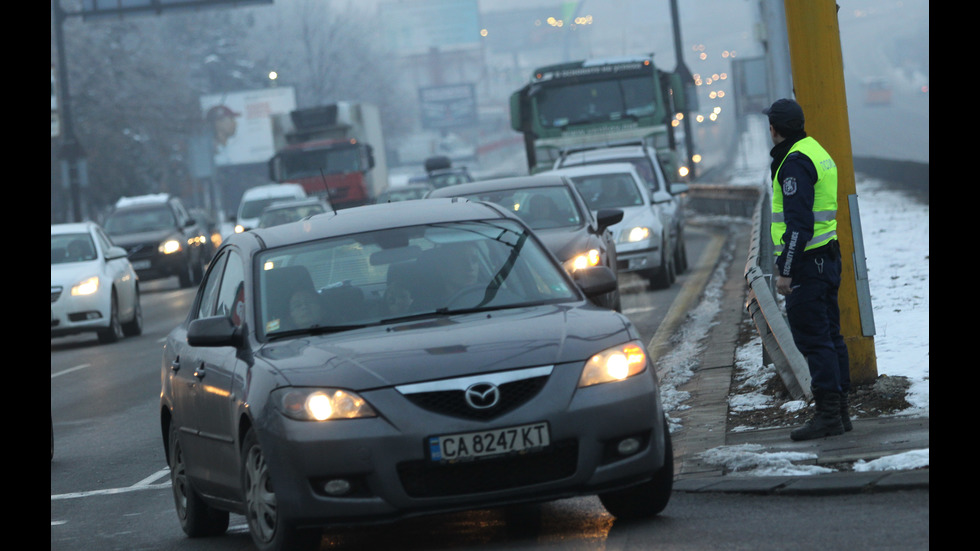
(187, 274)
(648, 498)
(134, 327)
(269, 530)
(680, 255)
(197, 518)
(114, 331)
(664, 276)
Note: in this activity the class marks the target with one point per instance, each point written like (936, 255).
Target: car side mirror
(660, 197)
(595, 280)
(113, 253)
(215, 331)
(678, 188)
(608, 217)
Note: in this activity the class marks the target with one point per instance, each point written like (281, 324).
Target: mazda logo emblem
(482, 395)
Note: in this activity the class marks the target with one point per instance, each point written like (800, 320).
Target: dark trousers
(814, 318)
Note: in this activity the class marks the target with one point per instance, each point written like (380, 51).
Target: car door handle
(175, 365)
(199, 372)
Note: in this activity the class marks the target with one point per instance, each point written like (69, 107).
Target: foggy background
(136, 82)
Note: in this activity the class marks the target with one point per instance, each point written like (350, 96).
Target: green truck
(598, 101)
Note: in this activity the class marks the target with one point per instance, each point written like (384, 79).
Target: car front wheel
(646, 499)
(270, 532)
(114, 331)
(134, 327)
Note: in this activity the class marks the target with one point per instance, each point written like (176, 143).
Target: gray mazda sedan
(402, 359)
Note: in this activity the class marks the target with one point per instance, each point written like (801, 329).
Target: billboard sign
(417, 26)
(449, 106)
(241, 123)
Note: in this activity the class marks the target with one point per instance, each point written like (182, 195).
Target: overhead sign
(416, 27)
(449, 106)
(241, 123)
(106, 8)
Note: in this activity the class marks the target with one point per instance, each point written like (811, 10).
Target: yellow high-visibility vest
(824, 197)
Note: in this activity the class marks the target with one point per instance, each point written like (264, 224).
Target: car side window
(210, 288)
(231, 296)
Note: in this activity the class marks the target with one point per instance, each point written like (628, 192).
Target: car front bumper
(78, 314)
(385, 460)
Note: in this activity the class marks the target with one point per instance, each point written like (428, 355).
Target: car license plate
(473, 445)
(141, 264)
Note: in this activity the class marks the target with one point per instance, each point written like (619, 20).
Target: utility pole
(818, 79)
(690, 92)
(70, 151)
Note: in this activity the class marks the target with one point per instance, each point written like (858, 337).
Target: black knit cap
(785, 113)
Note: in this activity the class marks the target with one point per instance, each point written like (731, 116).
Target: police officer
(808, 263)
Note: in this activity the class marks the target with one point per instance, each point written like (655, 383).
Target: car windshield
(539, 207)
(273, 216)
(122, 222)
(404, 274)
(604, 191)
(72, 247)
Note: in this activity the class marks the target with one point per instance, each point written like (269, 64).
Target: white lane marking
(144, 484)
(69, 370)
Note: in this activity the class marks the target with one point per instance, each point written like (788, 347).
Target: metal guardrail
(765, 311)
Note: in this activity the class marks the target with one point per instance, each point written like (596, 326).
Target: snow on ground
(896, 241)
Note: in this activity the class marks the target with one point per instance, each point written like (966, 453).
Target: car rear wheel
(197, 518)
(114, 331)
(134, 327)
(270, 532)
(664, 276)
(680, 255)
(646, 499)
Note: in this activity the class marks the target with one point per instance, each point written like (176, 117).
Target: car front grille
(453, 402)
(141, 251)
(430, 479)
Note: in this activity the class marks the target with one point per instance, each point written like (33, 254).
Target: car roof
(598, 168)
(272, 190)
(546, 179)
(296, 203)
(141, 200)
(604, 152)
(72, 227)
(367, 218)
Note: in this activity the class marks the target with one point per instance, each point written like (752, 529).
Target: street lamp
(272, 78)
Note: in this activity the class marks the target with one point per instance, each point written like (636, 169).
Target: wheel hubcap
(259, 496)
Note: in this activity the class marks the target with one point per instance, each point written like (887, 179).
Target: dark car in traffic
(395, 360)
(553, 207)
(160, 237)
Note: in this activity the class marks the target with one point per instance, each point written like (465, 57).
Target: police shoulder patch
(789, 186)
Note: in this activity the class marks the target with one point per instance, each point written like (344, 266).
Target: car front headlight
(614, 364)
(590, 258)
(321, 404)
(170, 246)
(239, 228)
(635, 234)
(87, 287)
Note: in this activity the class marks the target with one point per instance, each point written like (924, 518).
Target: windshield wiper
(315, 330)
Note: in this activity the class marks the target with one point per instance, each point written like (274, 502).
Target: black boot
(826, 420)
(845, 415)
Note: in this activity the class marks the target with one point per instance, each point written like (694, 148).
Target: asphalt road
(110, 488)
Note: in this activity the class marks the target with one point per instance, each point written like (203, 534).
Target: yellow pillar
(818, 83)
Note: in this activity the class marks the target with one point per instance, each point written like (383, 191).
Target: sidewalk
(704, 425)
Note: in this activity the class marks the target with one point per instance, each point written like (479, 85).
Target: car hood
(71, 273)
(430, 349)
(128, 240)
(566, 242)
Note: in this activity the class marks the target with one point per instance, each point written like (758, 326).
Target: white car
(93, 286)
(642, 244)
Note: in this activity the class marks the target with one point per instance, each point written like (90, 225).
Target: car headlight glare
(322, 404)
(87, 287)
(170, 246)
(614, 364)
(639, 233)
(584, 260)
(239, 228)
